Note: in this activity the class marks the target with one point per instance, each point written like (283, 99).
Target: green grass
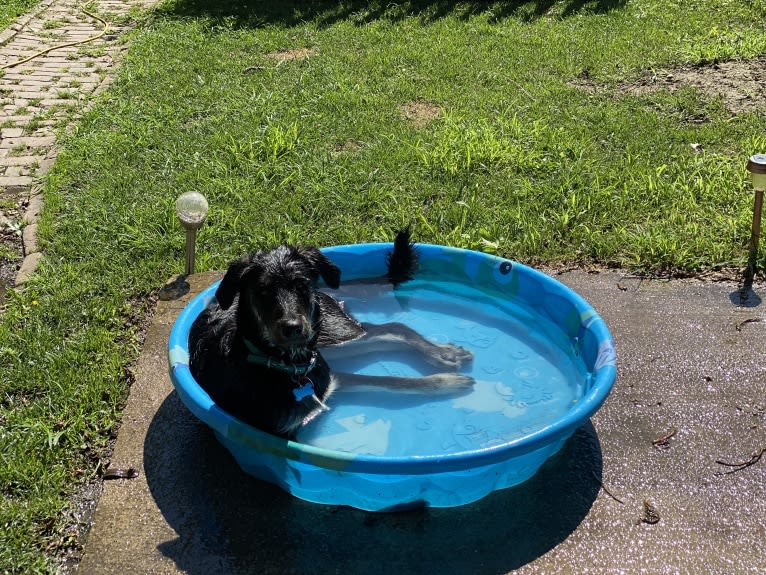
(11, 9)
(520, 162)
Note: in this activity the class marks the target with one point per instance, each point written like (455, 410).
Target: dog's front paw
(452, 356)
(447, 382)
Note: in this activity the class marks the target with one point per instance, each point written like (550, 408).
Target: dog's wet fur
(256, 346)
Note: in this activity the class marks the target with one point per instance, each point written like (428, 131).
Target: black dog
(255, 349)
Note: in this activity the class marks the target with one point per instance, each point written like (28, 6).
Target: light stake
(191, 208)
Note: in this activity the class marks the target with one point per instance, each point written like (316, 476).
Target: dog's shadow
(228, 522)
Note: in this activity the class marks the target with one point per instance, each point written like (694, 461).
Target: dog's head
(276, 294)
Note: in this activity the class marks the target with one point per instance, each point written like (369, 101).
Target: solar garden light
(191, 208)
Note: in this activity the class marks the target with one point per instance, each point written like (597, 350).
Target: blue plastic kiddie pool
(544, 362)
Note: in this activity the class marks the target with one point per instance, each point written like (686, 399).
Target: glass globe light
(191, 208)
(757, 168)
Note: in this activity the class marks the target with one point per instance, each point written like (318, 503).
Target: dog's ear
(229, 286)
(321, 263)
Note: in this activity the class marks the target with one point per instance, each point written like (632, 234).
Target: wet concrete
(691, 359)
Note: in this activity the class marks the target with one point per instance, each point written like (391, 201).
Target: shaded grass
(519, 162)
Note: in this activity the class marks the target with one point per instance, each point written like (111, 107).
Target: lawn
(552, 132)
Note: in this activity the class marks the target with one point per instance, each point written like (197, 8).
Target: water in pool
(527, 374)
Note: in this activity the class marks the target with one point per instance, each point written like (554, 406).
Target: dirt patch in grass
(9, 266)
(68, 543)
(288, 55)
(349, 146)
(420, 112)
(11, 249)
(741, 85)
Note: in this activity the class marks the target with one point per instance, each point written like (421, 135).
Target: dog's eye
(262, 292)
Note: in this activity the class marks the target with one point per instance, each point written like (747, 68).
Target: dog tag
(307, 390)
(303, 391)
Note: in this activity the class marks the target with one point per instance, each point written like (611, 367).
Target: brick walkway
(40, 97)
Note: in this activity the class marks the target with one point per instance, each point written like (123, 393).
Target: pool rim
(232, 429)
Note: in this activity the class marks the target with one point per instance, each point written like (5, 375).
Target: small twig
(663, 442)
(738, 327)
(640, 277)
(650, 514)
(566, 270)
(609, 493)
(742, 464)
(113, 473)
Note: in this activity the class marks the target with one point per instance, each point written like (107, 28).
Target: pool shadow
(228, 522)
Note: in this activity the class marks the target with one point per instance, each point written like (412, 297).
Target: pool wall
(379, 483)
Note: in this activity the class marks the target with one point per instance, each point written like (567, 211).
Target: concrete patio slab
(692, 365)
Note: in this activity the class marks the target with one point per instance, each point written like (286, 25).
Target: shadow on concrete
(257, 13)
(745, 295)
(228, 522)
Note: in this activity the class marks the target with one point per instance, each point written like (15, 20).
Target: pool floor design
(527, 375)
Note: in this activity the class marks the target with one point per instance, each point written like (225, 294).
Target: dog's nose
(291, 328)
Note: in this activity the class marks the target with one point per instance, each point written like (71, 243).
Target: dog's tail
(403, 261)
